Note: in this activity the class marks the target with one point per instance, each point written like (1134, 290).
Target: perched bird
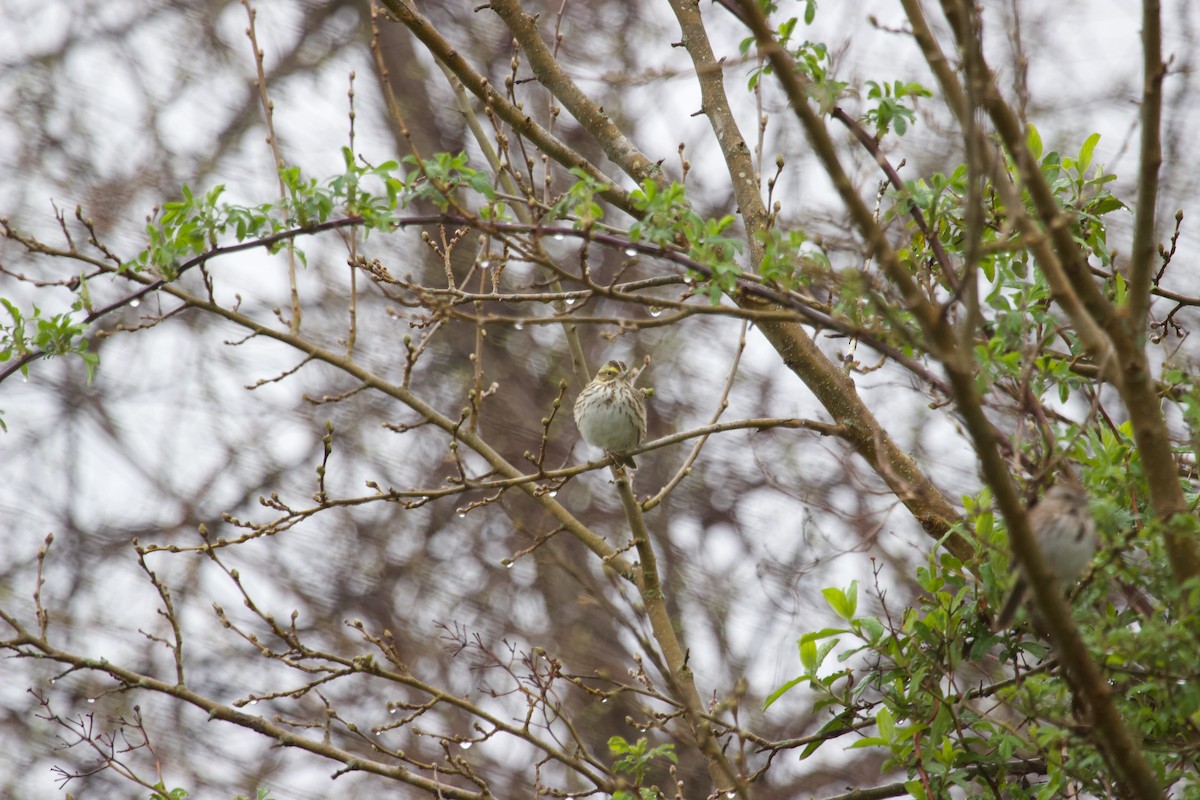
(611, 413)
(1065, 532)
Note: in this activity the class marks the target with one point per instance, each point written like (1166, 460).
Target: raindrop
(465, 745)
(462, 515)
(485, 265)
(554, 493)
(135, 303)
(519, 326)
(570, 301)
(391, 711)
(558, 237)
(91, 699)
(508, 564)
(631, 251)
(655, 311)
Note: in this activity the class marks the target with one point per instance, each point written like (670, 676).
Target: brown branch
(678, 673)
(1116, 741)
(1150, 163)
(715, 105)
(591, 116)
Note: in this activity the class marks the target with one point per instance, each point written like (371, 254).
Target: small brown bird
(611, 413)
(1065, 532)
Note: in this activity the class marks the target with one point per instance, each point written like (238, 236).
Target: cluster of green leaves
(161, 792)
(669, 221)
(51, 335)
(887, 112)
(1015, 297)
(783, 35)
(812, 61)
(579, 202)
(439, 178)
(812, 58)
(1085, 196)
(900, 699)
(1183, 389)
(635, 760)
(890, 112)
(193, 226)
(942, 201)
(790, 259)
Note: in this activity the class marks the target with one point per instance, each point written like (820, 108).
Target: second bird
(1065, 532)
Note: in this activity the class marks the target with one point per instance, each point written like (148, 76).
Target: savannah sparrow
(1064, 529)
(611, 413)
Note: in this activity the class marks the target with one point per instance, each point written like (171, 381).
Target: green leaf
(808, 655)
(869, 741)
(873, 630)
(782, 690)
(840, 722)
(1033, 140)
(842, 602)
(1120, 290)
(1105, 205)
(886, 723)
(1085, 153)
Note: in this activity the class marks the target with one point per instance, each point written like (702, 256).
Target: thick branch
(524, 124)
(1144, 258)
(550, 74)
(715, 104)
(1117, 742)
(680, 677)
